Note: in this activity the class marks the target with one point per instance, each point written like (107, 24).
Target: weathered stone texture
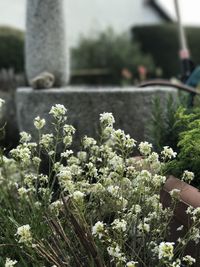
(131, 107)
(46, 47)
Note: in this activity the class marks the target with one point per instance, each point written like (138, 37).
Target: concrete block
(130, 106)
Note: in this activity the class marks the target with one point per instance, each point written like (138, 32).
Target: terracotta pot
(189, 196)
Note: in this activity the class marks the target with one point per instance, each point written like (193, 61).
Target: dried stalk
(84, 236)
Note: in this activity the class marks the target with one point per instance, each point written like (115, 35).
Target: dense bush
(161, 41)
(11, 49)
(162, 129)
(188, 123)
(111, 52)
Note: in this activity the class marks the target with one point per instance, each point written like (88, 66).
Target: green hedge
(162, 42)
(112, 52)
(11, 49)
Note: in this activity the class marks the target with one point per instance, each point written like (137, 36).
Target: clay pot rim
(189, 194)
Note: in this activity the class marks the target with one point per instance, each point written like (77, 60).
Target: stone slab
(130, 106)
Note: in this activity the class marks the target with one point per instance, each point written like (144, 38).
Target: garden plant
(97, 207)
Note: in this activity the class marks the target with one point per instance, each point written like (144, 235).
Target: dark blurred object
(11, 49)
(161, 41)
(186, 63)
(9, 81)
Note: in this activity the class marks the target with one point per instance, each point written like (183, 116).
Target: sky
(12, 11)
(189, 9)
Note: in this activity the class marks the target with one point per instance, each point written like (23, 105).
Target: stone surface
(131, 107)
(46, 47)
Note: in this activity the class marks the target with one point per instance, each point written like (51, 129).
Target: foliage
(99, 207)
(111, 52)
(188, 158)
(162, 128)
(161, 41)
(11, 49)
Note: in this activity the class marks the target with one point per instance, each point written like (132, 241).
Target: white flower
(176, 263)
(168, 153)
(82, 155)
(115, 252)
(25, 137)
(46, 140)
(24, 234)
(92, 170)
(166, 250)
(22, 153)
(22, 191)
(188, 176)
(144, 227)
(58, 112)
(119, 224)
(189, 260)
(67, 153)
(132, 264)
(88, 142)
(113, 190)
(39, 123)
(145, 148)
(56, 206)
(107, 119)
(98, 229)
(10, 263)
(175, 193)
(78, 196)
(68, 129)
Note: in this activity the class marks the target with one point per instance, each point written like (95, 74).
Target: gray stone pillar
(46, 49)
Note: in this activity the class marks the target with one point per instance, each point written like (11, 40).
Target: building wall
(87, 17)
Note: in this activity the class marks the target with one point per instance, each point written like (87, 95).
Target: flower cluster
(10, 263)
(100, 197)
(24, 234)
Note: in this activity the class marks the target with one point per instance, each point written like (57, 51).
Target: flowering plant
(98, 207)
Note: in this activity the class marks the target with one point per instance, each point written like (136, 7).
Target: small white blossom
(58, 112)
(175, 193)
(25, 137)
(144, 227)
(114, 251)
(145, 148)
(98, 229)
(39, 123)
(66, 154)
(188, 176)
(24, 234)
(10, 263)
(166, 250)
(82, 156)
(113, 190)
(46, 140)
(107, 119)
(189, 260)
(119, 224)
(56, 206)
(132, 263)
(168, 153)
(69, 129)
(78, 196)
(88, 142)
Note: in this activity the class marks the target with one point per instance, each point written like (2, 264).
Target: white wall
(86, 17)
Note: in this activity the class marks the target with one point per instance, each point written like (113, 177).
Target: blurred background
(112, 42)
